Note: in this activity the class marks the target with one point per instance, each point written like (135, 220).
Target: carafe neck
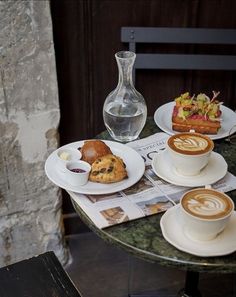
(125, 62)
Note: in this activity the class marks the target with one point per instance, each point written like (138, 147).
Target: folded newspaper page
(150, 195)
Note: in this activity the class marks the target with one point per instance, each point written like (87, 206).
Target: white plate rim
(97, 188)
(166, 109)
(194, 181)
(208, 252)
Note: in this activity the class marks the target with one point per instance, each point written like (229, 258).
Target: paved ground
(102, 270)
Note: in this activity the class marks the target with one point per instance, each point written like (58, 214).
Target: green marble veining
(143, 237)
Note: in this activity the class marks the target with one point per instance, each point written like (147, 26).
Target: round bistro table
(143, 237)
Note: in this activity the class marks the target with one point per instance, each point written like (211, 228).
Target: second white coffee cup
(204, 213)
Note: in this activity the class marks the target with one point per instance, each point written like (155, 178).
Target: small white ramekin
(77, 178)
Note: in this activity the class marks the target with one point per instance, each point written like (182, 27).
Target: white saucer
(223, 244)
(214, 171)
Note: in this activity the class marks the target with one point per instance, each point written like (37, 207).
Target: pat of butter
(65, 156)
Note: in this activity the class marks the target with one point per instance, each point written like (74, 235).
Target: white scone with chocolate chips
(108, 169)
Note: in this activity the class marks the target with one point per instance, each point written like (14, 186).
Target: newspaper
(151, 195)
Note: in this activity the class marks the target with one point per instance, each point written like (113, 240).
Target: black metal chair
(37, 277)
(137, 35)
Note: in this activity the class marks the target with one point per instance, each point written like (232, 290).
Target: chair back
(136, 35)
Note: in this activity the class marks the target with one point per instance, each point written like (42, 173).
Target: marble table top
(143, 237)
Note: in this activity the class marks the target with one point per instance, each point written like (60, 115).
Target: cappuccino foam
(207, 204)
(190, 143)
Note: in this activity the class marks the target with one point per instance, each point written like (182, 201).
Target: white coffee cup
(205, 213)
(189, 152)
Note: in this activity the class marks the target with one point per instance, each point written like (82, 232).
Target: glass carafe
(125, 110)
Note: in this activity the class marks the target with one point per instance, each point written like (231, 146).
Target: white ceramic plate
(162, 118)
(223, 244)
(214, 171)
(134, 165)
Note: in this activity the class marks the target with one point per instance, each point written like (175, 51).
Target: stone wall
(30, 206)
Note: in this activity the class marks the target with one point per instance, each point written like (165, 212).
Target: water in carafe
(124, 123)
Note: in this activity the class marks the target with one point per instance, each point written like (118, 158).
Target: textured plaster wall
(30, 206)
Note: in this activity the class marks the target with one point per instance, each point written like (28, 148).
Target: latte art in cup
(207, 204)
(190, 143)
(205, 213)
(189, 152)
